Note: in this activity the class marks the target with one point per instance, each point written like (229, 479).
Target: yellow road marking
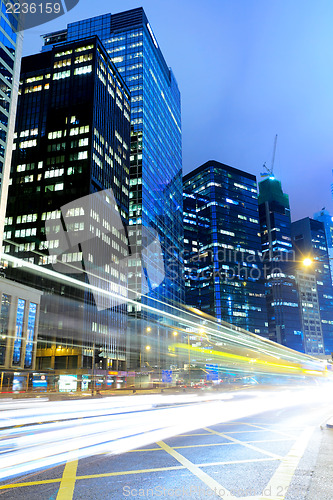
(137, 450)
(140, 450)
(200, 474)
(234, 443)
(270, 430)
(281, 478)
(128, 472)
(247, 445)
(280, 481)
(29, 483)
(91, 476)
(232, 462)
(190, 435)
(67, 484)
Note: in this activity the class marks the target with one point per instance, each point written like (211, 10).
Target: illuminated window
(61, 75)
(83, 70)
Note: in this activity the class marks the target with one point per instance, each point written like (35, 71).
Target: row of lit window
(78, 71)
(28, 166)
(36, 88)
(27, 133)
(67, 62)
(27, 144)
(21, 233)
(44, 245)
(70, 51)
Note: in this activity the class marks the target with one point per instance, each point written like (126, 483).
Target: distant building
(278, 256)
(224, 276)
(325, 217)
(310, 313)
(72, 140)
(309, 241)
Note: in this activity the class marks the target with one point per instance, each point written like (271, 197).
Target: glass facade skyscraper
(156, 161)
(278, 256)
(309, 241)
(325, 217)
(222, 249)
(10, 54)
(72, 143)
(155, 202)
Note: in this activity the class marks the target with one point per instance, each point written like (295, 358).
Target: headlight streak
(231, 334)
(24, 450)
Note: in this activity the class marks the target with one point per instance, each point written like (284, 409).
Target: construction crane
(269, 171)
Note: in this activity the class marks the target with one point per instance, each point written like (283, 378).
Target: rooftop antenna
(270, 171)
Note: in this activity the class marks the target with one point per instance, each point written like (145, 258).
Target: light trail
(193, 323)
(51, 433)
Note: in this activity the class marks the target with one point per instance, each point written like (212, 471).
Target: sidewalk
(321, 482)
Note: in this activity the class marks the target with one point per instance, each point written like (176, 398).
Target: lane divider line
(281, 479)
(267, 429)
(243, 443)
(67, 484)
(218, 489)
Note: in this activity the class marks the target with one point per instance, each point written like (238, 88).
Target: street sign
(213, 372)
(167, 376)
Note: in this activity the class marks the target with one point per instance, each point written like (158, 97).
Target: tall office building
(155, 166)
(222, 257)
(278, 256)
(156, 161)
(309, 240)
(71, 150)
(325, 217)
(10, 59)
(310, 312)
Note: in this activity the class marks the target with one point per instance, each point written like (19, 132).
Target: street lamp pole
(189, 359)
(93, 371)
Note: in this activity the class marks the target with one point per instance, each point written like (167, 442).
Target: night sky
(247, 70)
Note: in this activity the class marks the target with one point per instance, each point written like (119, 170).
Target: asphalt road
(273, 454)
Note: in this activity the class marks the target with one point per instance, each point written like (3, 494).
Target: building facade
(309, 241)
(156, 160)
(310, 313)
(10, 59)
(70, 165)
(278, 256)
(156, 163)
(325, 217)
(19, 315)
(224, 276)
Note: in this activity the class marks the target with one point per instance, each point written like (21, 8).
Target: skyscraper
(156, 162)
(309, 241)
(72, 143)
(278, 256)
(325, 217)
(222, 258)
(10, 58)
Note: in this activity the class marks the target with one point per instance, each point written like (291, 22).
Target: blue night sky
(247, 70)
